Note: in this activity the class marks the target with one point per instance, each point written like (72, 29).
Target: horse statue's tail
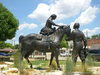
(20, 43)
(20, 38)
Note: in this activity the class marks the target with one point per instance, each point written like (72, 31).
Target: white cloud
(41, 12)
(68, 8)
(27, 25)
(87, 16)
(21, 34)
(63, 9)
(89, 32)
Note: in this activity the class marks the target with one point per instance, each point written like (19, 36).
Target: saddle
(46, 38)
(47, 31)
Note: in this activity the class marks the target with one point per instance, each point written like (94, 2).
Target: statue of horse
(32, 42)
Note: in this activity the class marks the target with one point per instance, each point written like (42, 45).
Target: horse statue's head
(61, 31)
(65, 29)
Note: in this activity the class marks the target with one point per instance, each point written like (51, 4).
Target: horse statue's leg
(57, 61)
(29, 62)
(52, 56)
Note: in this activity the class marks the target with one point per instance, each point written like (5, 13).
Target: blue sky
(32, 14)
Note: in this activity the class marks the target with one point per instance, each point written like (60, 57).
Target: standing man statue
(47, 30)
(79, 44)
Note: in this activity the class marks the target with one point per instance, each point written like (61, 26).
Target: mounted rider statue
(48, 30)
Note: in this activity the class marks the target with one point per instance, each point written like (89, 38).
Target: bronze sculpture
(33, 42)
(47, 30)
(79, 44)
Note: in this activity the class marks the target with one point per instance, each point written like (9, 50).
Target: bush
(53, 66)
(17, 60)
(5, 45)
(90, 61)
(69, 67)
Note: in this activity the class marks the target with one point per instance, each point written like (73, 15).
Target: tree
(96, 36)
(5, 45)
(87, 37)
(2, 44)
(64, 43)
(8, 45)
(8, 24)
(16, 46)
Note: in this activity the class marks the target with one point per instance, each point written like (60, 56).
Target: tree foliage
(8, 24)
(2, 44)
(96, 36)
(64, 43)
(16, 46)
(5, 45)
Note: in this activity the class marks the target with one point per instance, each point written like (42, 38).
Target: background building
(93, 43)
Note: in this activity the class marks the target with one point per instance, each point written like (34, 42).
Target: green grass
(45, 63)
(97, 64)
(62, 62)
(92, 62)
(37, 62)
(40, 63)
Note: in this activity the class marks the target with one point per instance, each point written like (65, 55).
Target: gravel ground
(5, 69)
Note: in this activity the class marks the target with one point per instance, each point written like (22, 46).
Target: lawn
(66, 65)
(45, 63)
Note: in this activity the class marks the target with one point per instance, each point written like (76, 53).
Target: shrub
(53, 66)
(69, 67)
